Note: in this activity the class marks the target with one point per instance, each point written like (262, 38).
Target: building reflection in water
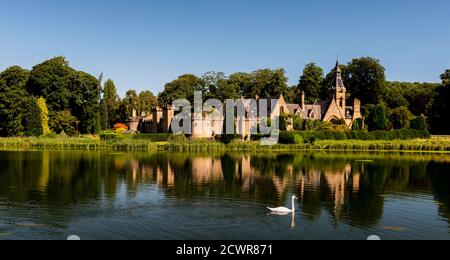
(350, 190)
(238, 176)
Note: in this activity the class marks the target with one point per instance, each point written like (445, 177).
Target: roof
(293, 107)
(316, 109)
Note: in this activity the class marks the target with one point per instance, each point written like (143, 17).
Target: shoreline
(430, 146)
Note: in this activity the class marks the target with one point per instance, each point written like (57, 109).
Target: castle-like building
(334, 108)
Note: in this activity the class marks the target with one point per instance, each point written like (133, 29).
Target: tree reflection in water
(349, 187)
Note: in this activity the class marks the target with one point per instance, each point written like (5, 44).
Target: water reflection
(350, 188)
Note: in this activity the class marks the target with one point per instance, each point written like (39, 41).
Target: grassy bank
(435, 145)
(83, 143)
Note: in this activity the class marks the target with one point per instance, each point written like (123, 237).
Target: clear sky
(142, 44)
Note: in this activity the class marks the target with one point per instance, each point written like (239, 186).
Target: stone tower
(157, 115)
(168, 115)
(339, 90)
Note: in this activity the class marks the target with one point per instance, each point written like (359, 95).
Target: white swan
(284, 210)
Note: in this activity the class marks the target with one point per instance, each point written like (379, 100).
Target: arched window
(282, 110)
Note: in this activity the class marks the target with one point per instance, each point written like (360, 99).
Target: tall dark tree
(112, 101)
(376, 118)
(365, 79)
(439, 115)
(311, 83)
(84, 103)
(131, 102)
(13, 101)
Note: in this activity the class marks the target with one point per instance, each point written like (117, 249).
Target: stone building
(333, 109)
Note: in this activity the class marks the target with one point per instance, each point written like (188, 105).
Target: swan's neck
(293, 204)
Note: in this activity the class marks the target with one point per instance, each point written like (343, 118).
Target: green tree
(65, 88)
(446, 78)
(268, 83)
(122, 113)
(218, 86)
(416, 96)
(13, 100)
(84, 103)
(285, 120)
(131, 102)
(439, 114)
(376, 117)
(32, 120)
(298, 123)
(401, 117)
(63, 121)
(146, 102)
(365, 79)
(419, 123)
(311, 83)
(112, 102)
(242, 83)
(183, 87)
(43, 112)
(52, 80)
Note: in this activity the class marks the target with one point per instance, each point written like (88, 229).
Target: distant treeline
(74, 102)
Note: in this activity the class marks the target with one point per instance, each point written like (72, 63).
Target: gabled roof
(293, 108)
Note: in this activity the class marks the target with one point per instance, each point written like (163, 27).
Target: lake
(108, 195)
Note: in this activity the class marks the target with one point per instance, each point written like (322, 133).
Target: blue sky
(142, 44)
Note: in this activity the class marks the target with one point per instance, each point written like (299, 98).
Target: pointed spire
(338, 67)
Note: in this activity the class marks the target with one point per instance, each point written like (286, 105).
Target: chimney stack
(302, 100)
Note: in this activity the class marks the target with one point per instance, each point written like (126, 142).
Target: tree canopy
(311, 83)
(439, 115)
(112, 101)
(14, 101)
(365, 79)
(183, 87)
(146, 101)
(64, 88)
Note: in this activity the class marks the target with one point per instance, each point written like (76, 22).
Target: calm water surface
(104, 195)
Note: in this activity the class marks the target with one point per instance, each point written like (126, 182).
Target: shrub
(401, 118)
(63, 121)
(120, 126)
(376, 117)
(291, 138)
(419, 123)
(112, 136)
(180, 138)
(298, 137)
(298, 123)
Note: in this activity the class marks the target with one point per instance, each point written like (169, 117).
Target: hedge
(299, 137)
(111, 136)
